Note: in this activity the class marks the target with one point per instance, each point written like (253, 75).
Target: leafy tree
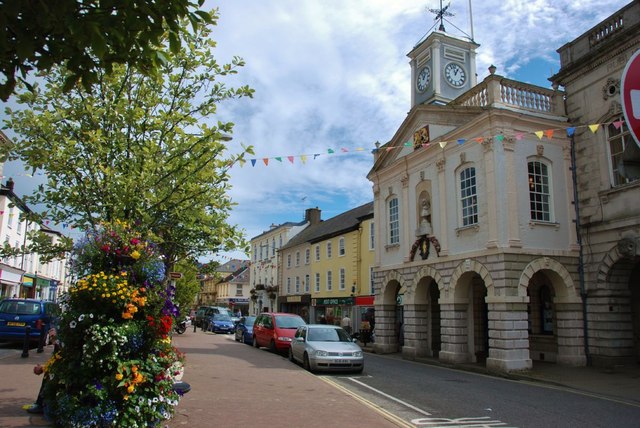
(188, 286)
(141, 148)
(89, 36)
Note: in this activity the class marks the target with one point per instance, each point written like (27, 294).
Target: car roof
(280, 314)
(323, 326)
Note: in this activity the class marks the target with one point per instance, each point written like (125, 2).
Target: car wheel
(305, 362)
(291, 356)
(272, 346)
(255, 342)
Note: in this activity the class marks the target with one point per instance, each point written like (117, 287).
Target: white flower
(90, 315)
(81, 317)
(155, 399)
(73, 324)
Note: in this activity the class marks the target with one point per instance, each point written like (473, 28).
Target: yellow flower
(135, 254)
(131, 388)
(119, 376)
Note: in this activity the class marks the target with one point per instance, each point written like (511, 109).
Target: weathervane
(440, 14)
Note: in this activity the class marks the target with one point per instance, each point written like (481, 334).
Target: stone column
(570, 334)
(443, 236)
(416, 337)
(508, 334)
(454, 333)
(386, 341)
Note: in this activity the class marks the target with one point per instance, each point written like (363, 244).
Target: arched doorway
(388, 311)
(542, 319)
(422, 335)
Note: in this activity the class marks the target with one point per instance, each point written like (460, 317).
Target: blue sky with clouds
(333, 74)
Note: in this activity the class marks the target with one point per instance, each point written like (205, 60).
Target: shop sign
(332, 302)
(294, 299)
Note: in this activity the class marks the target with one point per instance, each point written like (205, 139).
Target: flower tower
(115, 366)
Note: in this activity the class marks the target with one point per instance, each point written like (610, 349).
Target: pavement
(235, 388)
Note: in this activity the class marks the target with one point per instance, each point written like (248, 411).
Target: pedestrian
(37, 407)
(346, 323)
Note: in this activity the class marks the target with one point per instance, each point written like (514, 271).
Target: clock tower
(442, 67)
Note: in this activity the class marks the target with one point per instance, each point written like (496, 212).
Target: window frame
(393, 218)
(468, 202)
(329, 281)
(341, 247)
(538, 198)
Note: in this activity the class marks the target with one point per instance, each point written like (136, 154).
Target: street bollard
(41, 339)
(194, 325)
(25, 346)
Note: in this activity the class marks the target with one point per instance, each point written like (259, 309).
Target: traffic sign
(631, 95)
(175, 275)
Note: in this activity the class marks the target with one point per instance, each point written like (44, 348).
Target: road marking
(388, 415)
(479, 422)
(390, 397)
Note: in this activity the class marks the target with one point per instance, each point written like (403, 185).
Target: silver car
(326, 347)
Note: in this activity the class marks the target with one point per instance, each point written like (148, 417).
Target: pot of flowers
(117, 366)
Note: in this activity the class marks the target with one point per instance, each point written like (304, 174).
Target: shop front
(10, 281)
(298, 304)
(239, 304)
(34, 287)
(332, 309)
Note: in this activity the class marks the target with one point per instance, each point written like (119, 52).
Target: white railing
(497, 90)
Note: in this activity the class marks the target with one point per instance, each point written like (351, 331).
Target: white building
(265, 262)
(25, 275)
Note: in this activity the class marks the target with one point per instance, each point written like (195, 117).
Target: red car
(275, 330)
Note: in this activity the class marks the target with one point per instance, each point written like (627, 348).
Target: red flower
(134, 241)
(106, 248)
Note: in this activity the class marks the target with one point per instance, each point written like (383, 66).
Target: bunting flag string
(519, 136)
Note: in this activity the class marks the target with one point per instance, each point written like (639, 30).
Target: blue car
(221, 323)
(244, 330)
(18, 314)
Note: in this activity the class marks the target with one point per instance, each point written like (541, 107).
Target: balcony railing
(496, 91)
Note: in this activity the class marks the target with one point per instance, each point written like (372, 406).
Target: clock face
(455, 74)
(423, 79)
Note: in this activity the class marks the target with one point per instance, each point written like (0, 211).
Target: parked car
(208, 312)
(220, 323)
(326, 347)
(17, 314)
(275, 330)
(244, 330)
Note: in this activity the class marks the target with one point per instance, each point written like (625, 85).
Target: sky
(334, 75)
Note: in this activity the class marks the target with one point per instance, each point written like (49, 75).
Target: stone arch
(387, 295)
(559, 275)
(626, 248)
(425, 271)
(469, 265)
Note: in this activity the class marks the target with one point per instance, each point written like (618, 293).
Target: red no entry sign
(631, 95)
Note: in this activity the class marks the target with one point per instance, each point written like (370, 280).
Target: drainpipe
(583, 291)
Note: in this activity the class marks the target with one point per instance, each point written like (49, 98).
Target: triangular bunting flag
(266, 161)
(519, 135)
(479, 139)
(539, 134)
(499, 138)
(617, 124)
(443, 144)
(571, 131)
(279, 159)
(242, 162)
(408, 144)
(330, 151)
(548, 133)
(594, 127)
(316, 155)
(359, 149)
(290, 158)
(303, 158)
(461, 141)
(253, 162)
(390, 148)
(426, 144)
(343, 150)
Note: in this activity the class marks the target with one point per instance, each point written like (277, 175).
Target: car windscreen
(248, 321)
(15, 307)
(328, 335)
(221, 317)
(289, 322)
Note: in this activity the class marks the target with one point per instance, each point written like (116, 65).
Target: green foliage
(90, 36)
(142, 148)
(187, 287)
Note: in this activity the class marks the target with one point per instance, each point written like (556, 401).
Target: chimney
(312, 215)
(273, 226)
(10, 184)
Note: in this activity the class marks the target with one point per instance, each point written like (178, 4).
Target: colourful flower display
(116, 366)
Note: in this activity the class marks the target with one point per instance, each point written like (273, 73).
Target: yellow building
(329, 265)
